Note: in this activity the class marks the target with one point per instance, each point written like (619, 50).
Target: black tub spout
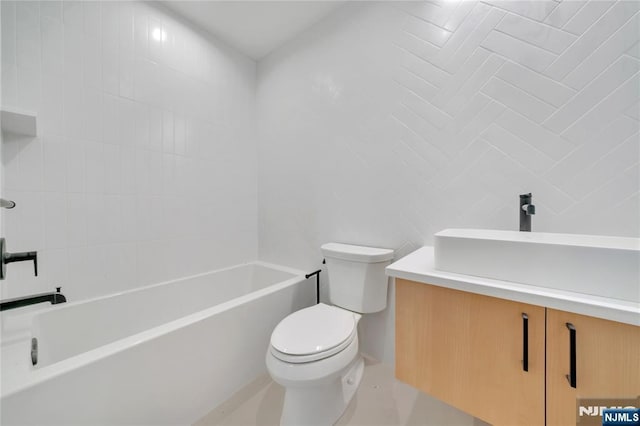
(54, 298)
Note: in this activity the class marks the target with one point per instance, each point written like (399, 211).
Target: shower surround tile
(114, 85)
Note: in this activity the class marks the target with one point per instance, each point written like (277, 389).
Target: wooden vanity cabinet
(467, 350)
(607, 356)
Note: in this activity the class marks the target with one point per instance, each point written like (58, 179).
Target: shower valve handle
(16, 257)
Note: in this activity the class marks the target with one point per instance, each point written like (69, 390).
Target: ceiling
(253, 27)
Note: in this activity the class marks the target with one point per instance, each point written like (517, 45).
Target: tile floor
(380, 400)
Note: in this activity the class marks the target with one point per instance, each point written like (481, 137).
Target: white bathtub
(163, 354)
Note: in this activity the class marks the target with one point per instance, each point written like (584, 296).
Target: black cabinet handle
(525, 342)
(572, 376)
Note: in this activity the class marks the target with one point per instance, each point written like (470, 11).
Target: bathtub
(162, 354)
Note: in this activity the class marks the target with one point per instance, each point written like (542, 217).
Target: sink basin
(591, 264)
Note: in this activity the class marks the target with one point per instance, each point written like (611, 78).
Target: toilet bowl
(314, 351)
(314, 355)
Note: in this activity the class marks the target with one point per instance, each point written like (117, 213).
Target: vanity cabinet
(470, 351)
(607, 363)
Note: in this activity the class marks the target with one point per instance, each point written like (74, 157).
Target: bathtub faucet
(54, 298)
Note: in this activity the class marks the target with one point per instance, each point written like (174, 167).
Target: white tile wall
(145, 168)
(377, 129)
(381, 125)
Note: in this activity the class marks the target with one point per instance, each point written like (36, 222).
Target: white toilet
(314, 352)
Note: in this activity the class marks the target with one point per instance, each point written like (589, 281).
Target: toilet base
(322, 405)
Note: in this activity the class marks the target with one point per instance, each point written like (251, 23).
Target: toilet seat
(313, 333)
(299, 359)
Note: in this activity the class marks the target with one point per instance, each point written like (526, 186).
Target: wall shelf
(18, 121)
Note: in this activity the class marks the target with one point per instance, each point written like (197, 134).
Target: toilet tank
(357, 280)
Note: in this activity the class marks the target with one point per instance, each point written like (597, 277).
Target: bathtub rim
(22, 322)
(35, 376)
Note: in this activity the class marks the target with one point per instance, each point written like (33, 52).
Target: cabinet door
(607, 360)
(467, 350)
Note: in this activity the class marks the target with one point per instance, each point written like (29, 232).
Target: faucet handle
(529, 209)
(21, 257)
(6, 258)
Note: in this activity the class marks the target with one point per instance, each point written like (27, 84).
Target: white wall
(380, 126)
(145, 165)
(389, 122)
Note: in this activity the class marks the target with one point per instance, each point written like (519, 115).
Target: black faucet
(15, 257)
(526, 211)
(54, 298)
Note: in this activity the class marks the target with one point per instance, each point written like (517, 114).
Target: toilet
(314, 352)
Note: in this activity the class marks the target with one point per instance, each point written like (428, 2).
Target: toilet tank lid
(356, 253)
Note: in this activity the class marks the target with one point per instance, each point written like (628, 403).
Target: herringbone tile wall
(392, 121)
(547, 90)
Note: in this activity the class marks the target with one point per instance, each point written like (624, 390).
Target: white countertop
(419, 266)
